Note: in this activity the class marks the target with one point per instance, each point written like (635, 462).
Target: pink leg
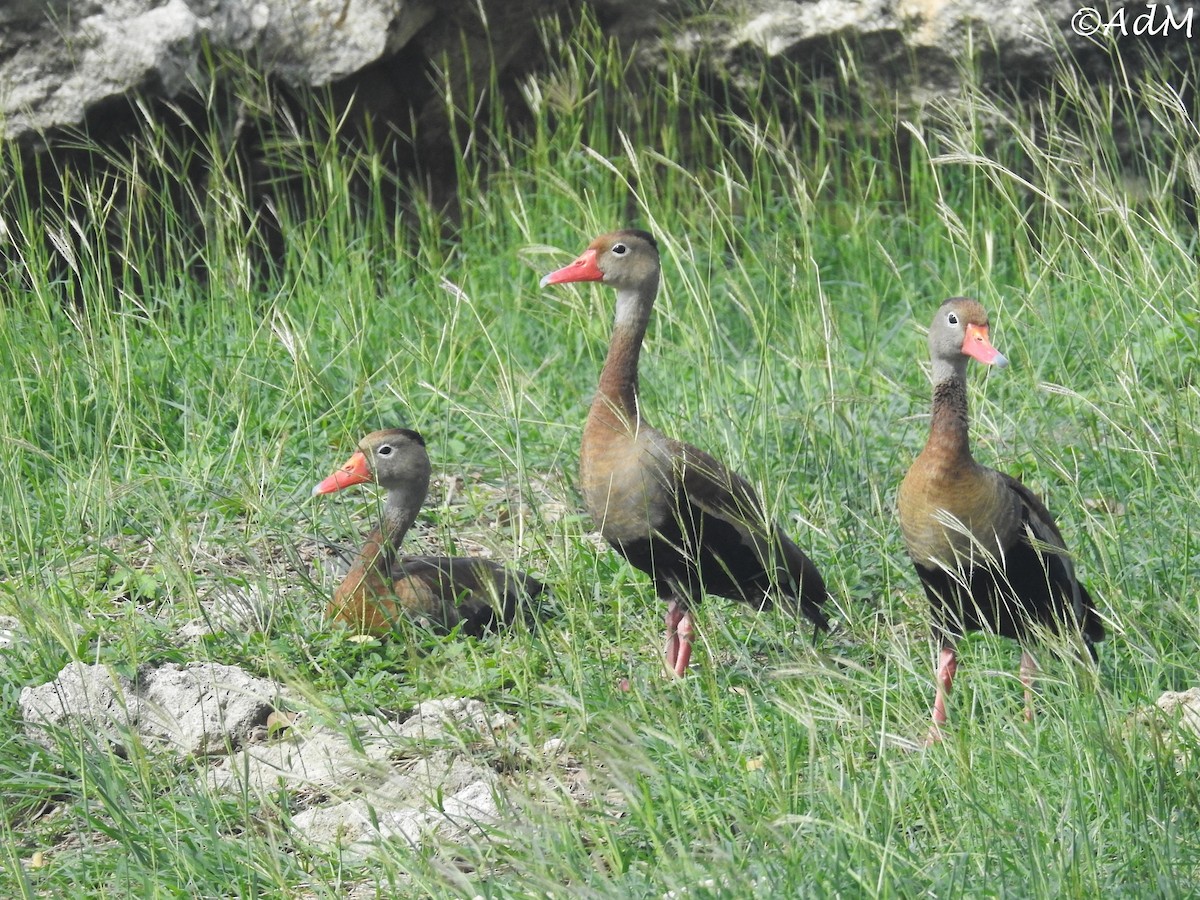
(944, 681)
(679, 639)
(1029, 669)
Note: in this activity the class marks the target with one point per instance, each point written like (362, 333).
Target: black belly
(1009, 602)
(709, 558)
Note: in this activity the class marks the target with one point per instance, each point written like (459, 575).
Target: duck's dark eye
(385, 450)
(619, 249)
(952, 319)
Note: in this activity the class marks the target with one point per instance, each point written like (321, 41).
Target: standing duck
(671, 510)
(381, 585)
(986, 549)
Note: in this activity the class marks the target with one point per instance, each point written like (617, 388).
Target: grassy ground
(163, 427)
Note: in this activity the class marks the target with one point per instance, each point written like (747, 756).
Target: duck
(382, 586)
(987, 551)
(671, 510)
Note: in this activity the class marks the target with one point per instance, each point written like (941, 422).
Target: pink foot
(947, 666)
(679, 639)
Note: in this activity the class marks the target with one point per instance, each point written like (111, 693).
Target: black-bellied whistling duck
(985, 547)
(671, 510)
(382, 585)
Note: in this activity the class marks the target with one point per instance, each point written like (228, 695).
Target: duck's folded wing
(735, 524)
(1043, 535)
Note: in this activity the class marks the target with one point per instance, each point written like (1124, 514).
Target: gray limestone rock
(62, 59)
(195, 709)
(446, 773)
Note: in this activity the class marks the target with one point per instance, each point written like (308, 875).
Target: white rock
(197, 708)
(9, 627)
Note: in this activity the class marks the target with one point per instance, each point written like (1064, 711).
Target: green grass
(167, 399)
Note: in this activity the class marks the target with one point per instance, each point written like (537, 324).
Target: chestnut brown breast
(951, 512)
(625, 479)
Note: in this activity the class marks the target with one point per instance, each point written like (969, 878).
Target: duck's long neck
(617, 394)
(400, 510)
(948, 429)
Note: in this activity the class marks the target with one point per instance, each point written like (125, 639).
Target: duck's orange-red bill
(583, 269)
(977, 344)
(355, 471)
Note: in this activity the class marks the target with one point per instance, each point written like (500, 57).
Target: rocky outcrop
(914, 45)
(68, 62)
(446, 773)
(196, 709)
(234, 79)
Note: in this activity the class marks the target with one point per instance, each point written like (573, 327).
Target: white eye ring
(619, 249)
(385, 450)
(952, 318)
